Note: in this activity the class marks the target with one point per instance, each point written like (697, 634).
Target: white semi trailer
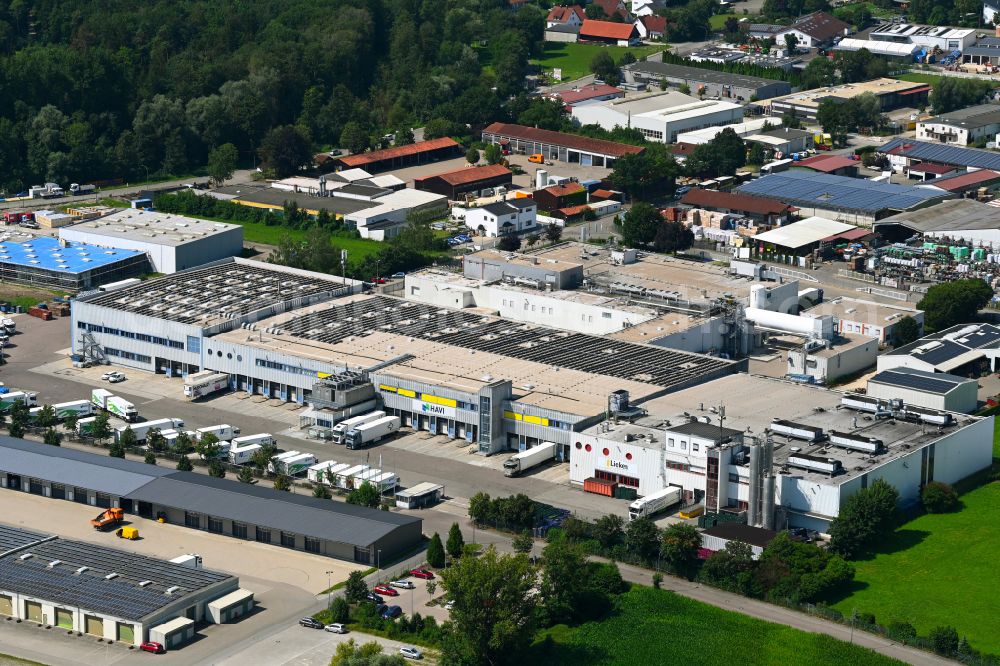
(525, 460)
(655, 502)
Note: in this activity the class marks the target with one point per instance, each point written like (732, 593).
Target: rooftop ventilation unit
(830, 466)
(80, 571)
(171, 590)
(111, 576)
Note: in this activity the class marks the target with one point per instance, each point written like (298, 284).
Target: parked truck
(81, 190)
(85, 426)
(121, 408)
(260, 439)
(367, 434)
(7, 400)
(297, 465)
(277, 462)
(347, 425)
(108, 518)
(241, 455)
(655, 502)
(141, 430)
(223, 452)
(204, 383)
(223, 431)
(78, 407)
(525, 460)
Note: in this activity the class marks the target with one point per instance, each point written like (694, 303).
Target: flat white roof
(173, 625)
(149, 226)
(810, 230)
(877, 47)
(236, 597)
(708, 133)
(692, 110)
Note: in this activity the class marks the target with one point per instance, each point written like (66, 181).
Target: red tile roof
(362, 159)
(820, 26)
(588, 92)
(572, 141)
(826, 163)
(612, 7)
(602, 194)
(563, 190)
(738, 202)
(570, 211)
(469, 174)
(607, 30)
(850, 235)
(653, 23)
(562, 13)
(964, 180)
(927, 167)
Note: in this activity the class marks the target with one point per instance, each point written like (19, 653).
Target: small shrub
(939, 497)
(657, 580)
(944, 640)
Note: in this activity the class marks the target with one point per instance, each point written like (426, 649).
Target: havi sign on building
(430, 409)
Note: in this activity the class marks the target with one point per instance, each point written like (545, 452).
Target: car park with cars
(421, 573)
(403, 584)
(386, 590)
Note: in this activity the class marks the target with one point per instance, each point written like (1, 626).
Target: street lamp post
(378, 565)
(329, 590)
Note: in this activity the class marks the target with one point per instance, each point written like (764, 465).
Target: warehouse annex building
(560, 146)
(112, 594)
(220, 506)
(172, 242)
(785, 453)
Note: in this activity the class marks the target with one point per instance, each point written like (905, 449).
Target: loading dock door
(586, 160)
(93, 625)
(126, 633)
(64, 618)
(33, 610)
(6, 607)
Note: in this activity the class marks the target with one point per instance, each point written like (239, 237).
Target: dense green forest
(121, 88)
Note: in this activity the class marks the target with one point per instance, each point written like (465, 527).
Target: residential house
(814, 30)
(590, 94)
(503, 217)
(614, 10)
(606, 32)
(651, 26)
(962, 127)
(565, 15)
(647, 7)
(560, 196)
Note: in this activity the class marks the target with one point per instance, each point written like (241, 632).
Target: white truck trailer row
(367, 434)
(204, 383)
(345, 426)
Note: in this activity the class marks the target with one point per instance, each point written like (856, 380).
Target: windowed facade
(239, 530)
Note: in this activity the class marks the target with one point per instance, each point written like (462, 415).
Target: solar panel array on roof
(587, 353)
(15, 537)
(943, 153)
(226, 290)
(98, 579)
(920, 381)
(839, 192)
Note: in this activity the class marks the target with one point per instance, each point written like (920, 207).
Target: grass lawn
(718, 21)
(574, 59)
(936, 570)
(657, 627)
(254, 232)
(917, 77)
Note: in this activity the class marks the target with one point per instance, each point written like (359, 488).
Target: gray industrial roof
(970, 117)
(801, 188)
(942, 153)
(332, 204)
(75, 468)
(299, 514)
(220, 291)
(937, 383)
(705, 430)
(661, 69)
(76, 573)
(951, 343)
(222, 498)
(957, 215)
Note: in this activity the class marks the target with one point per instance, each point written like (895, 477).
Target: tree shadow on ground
(901, 539)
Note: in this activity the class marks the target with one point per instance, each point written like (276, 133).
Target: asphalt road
(243, 176)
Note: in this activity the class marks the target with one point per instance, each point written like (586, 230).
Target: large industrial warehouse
(109, 593)
(172, 242)
(484, 379)
(243, 511)
(714, 442)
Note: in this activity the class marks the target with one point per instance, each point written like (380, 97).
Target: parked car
(153, 646)
(421, 573)
(448, 606)
(371, 596)
(386, 590)
(116, 377)
(106, 375)
(398, 276)
(378, 280)
(411, 652)
(311, 623)
(336, 628)
(381, 609)
(404, 584)
(391, 612)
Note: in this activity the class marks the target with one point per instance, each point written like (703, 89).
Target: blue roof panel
(800, 188)
(944, 154)
(46, 253)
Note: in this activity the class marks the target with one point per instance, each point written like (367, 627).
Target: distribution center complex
(109, 593)
(490, 381)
